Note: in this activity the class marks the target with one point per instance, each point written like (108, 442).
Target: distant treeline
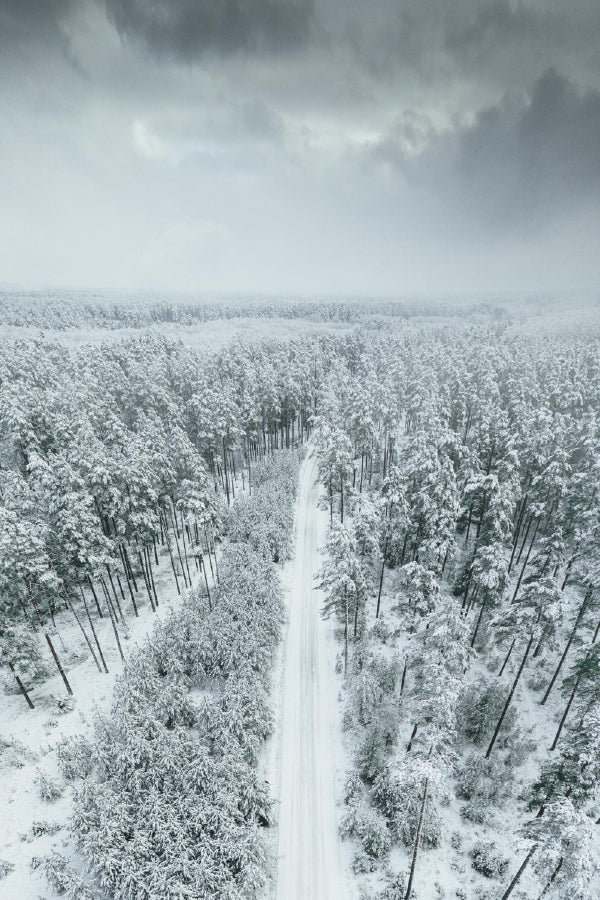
(77, 309)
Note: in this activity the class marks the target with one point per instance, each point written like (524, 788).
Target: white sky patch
(146, 143)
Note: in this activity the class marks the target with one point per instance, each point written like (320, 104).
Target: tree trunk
(471, 602)
(226, 473)
(112, 584)
(114, 624)
(47, 636)
(518, 531)
(130, 567)
(507, 657)
(552, 878)
(127, 579)
(381, 577)
(82, 629)
(509, 698)
(468, 585)
(566, 713)
(179, 550)
(214, 550)
(89, 618)
(183, 541)
(445, 560)
(517, 877)
(59, 665)
(537, 525)
(233, 474)
(404, 674)
(146, 581)
(479, 618)
(480, 522)
(530, 520)
(413, 735)
(404, 547)
(118, 605)
(22, 687)
(568, 645)
(120, 586)
(95, 596)
(203, 566)
(469, 523)
(385, 452)
(537, 650)
(417, 839)
(151, 575)
(168, 539)
(346, 632)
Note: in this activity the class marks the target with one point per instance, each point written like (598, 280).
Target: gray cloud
(327, 146)
(25, 21)
(186, 29)
(502, 42)
(521, 160)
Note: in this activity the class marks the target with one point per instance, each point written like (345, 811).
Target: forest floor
(312, 863)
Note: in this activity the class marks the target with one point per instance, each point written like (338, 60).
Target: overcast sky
(304, 146)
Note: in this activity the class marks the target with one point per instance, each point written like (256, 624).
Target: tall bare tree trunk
(89, 618)
(81, 628)
(170, 549)
(203, 567)
(517, 877)
(146, 581)
(179, 550)
(568, 645)
(509, 698)
(479, 618)
(127, 579)
(537, 525)
(48, 640)
(507, 657)
(225, 473)
(346, 632)
(552, 878)
(130, 567)
(413, 863)
(22, 687)
(113, 623)
(183, 541)
(385, 549)
(95, 596)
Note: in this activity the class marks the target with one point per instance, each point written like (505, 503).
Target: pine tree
(343, 579)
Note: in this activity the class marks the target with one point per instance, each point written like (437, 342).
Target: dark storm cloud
(482, 48)
(541, 159)
(24, 22)
(520, 161)
(186, 29)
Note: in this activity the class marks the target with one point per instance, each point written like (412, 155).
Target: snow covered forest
(150, 493)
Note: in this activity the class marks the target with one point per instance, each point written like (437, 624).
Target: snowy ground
(312, 862)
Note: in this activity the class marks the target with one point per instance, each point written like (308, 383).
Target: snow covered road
(310, 857)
